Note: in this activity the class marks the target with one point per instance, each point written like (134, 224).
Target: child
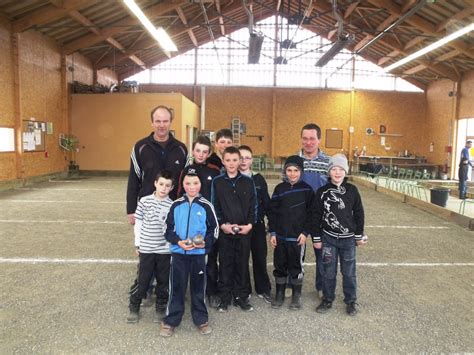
(153, 249)
(339, 226)
(200, 153)
(235, 201)
(259, 233)
(191, 217)
(224, 139)
(289, 225)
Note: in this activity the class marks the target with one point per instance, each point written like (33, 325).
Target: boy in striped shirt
(151, 246)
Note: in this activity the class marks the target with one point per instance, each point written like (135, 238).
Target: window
(7, 139)
(224, 62)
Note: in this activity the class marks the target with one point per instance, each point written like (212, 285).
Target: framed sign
(334, 138)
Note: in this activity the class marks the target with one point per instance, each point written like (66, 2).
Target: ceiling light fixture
(431, 47)
(158, 33)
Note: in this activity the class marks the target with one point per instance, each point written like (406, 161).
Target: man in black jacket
(235, 202)
(150, 155)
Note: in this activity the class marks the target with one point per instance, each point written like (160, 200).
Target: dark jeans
(345, 250)
(463, 172)
(184, 267)
(318, 282)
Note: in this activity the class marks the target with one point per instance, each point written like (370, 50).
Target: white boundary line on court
(66, 201)
(119, 222)
(130, 261)
(60, 189)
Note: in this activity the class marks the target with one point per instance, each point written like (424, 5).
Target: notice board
(33, 136)
(334, 138)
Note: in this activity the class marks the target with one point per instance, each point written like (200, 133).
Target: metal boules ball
(188, 242)
(198, 240)
(236, 229)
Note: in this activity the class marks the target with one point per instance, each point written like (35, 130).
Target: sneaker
(204, 329)
(166, 330)
(214, 301)
(222, 307)
(324, 307)
(133, 317)
(266, 297)
(243, 304)
(351, 309)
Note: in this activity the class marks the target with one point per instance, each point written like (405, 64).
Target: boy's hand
(183, 245)
(273, 241)
(317, 245)
(301, 239)
(137, 252)
(131, 218)
(363, 241)
(245, 229)
(227, 228)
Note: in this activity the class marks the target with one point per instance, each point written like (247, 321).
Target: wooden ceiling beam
(421, 24)
(176, 31)
(76, 15)
(49, 13)
(183, 19)
(221, 19)
(388, 57)
(461, 15)
(121, 25)
(383, 25)
(350, 9)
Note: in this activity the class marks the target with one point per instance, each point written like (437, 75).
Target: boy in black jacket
(338, 228)
(235, 202)
(259, 234)
(289, 226)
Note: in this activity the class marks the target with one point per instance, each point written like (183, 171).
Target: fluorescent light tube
(165, 41)
(431, 47)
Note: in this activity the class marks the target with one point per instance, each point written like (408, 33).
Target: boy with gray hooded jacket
(289, 225)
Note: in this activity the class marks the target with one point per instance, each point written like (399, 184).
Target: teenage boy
(191, 218)
(152, 248)
(200, 152)
(235, 202)
(224, 139)
(338, 228)
(259, 233)
(289, 225)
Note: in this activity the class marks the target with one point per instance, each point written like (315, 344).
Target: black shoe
(161, 307)
(133, 317)
(296, 297)
(243, 304)
(214, 301)
(266, 297)
(222, 307)
(351, 309)
(324, 306)
(279, 296)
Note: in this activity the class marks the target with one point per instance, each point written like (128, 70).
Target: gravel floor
(412, 297)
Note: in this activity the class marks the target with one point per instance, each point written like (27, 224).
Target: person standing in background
(463, 173)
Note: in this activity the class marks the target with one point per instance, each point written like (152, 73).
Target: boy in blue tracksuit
(191, 217)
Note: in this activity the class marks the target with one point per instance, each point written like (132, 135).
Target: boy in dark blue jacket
(191, 227)
(289, 224)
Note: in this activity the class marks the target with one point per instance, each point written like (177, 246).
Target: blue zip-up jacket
(188, 220)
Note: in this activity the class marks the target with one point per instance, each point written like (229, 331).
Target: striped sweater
(150, 225)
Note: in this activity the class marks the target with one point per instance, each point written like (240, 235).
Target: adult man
(150, 155)
(315, 175)
(464, 164)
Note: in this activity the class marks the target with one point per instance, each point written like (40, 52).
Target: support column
(15, 40)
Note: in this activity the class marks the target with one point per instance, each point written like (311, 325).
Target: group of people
(198, 219)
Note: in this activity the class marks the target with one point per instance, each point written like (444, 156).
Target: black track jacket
(234, 200)
(147, 159)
